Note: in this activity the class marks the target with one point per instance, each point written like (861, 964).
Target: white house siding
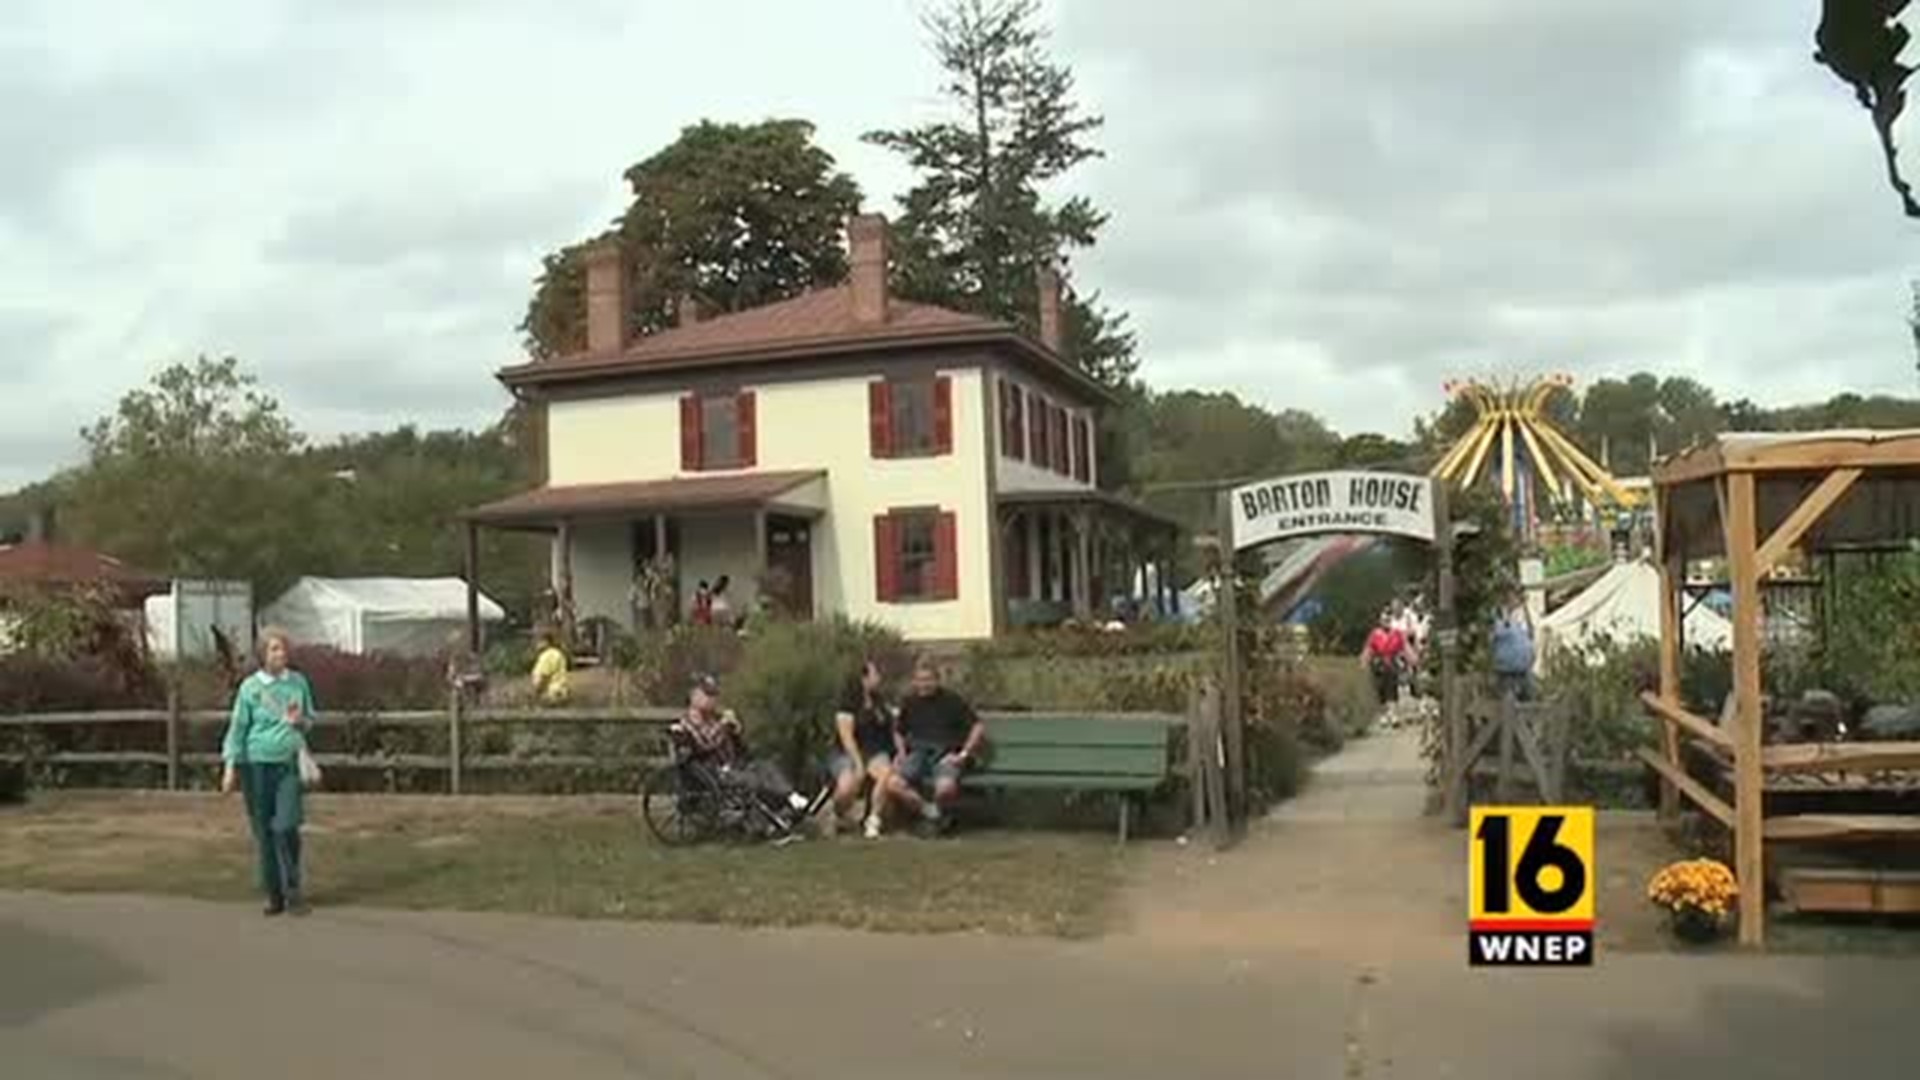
(1023, 475)
(603, 571)
(804, 424)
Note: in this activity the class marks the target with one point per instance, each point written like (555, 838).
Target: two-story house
(842, 451)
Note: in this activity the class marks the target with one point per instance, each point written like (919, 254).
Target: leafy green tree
(1859, 41)
(732, 215)
(196, 474)
(972, 233)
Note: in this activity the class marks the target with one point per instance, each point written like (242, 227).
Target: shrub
(791, 676)
(13, 782)
(34, 683)
(377, 682)
(1599, 691)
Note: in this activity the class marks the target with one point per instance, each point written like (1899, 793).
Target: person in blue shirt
(1513, 654)
(272, 710)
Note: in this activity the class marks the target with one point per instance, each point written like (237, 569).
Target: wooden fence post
(173, 736)
(456, 710)
(1509, 715)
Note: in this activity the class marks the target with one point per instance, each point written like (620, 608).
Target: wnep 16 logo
(1530, 898)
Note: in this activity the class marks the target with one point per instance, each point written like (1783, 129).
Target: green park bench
(1129, 756)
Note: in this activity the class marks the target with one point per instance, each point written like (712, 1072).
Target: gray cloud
(1328, 206)
(1386, 194)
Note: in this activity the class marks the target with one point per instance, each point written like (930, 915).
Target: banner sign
(1309, 504)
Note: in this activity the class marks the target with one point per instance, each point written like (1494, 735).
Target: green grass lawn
(589, 858)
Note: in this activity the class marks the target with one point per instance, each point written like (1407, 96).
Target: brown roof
(547, 505)
(41, 563)
(817, 323)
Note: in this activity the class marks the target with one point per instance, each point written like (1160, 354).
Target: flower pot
(1695, 926)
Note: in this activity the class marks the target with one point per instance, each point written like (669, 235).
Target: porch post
(473, 588)
(1036, 559)
(1083, 555)
(759, 557)
(565, 591)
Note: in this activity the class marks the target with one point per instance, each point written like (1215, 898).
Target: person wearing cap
(718, 736)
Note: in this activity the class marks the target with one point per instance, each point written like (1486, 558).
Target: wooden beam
(1749, 778)
(1672, 568)
(1233, 708)
(1842, 757)
(1805, 516)
(1843, 826)
(1697, 726)
(564, 592)
(1688, 786)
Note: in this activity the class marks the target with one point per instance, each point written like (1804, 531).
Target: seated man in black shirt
(938, 737)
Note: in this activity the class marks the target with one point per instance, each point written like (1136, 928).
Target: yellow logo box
(1530, 868)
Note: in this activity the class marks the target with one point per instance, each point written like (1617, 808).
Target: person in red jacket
(1386, 650)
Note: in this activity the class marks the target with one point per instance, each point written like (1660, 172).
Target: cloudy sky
(1325, 206)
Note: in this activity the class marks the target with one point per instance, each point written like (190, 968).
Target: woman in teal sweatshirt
(271, 712)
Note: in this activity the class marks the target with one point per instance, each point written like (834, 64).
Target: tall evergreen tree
(974, 230)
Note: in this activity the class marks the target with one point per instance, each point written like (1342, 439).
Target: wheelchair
(692, 799)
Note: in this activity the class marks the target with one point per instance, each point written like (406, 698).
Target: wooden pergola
(1753, 500)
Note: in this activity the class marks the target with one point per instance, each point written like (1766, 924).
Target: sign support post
(1232, 711)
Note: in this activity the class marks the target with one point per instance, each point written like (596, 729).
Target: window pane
(915, 536)
(913, 417)
(719, 431)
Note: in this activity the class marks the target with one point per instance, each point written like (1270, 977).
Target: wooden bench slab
(1125, 756)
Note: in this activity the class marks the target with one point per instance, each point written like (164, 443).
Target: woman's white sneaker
(873, 827)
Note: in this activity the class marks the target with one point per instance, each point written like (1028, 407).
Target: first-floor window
(914, 556)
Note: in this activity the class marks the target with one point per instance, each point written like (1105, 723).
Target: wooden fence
(458, 722)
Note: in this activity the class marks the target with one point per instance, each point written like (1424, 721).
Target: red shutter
(1056, 438)
(886, 560)
(1016, 425)
(946, 558)
(744, 429)
(880, 418)
(943, 415)
(690, 433)
(1082, 451)
(1037, 428)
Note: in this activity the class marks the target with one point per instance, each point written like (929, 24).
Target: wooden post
(1214, 769)
(474, 643)
(1198, 751)
(1672, 566)
(1083, 557)
(565, 590)
(1233, 707)
(1506, 715)
(1447, 636)
(173, 736)
(759, 558)
(666, 618)
(456, 739)
(1749, 780)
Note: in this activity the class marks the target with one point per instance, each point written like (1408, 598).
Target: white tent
(415, 616)
(1625, 604)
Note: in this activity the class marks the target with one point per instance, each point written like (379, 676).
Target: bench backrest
(1083, 746)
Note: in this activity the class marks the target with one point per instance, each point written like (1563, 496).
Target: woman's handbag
(309, 769)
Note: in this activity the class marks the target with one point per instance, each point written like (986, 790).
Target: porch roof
(1091, 499)
(546, 507)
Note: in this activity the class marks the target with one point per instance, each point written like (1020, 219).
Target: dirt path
(1351, 868)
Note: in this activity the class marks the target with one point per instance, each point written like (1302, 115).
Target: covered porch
(633, 553)
(1074, 553)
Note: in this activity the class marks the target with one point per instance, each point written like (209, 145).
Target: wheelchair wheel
(675, 813)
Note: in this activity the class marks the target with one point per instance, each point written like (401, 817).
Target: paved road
(1307, 986)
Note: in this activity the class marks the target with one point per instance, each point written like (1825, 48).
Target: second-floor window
(1013, 428)
(717, 431)
(911, 417)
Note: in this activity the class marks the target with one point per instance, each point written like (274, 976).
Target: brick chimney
(1048, 280)
(606, 297)
(40, 526)
(686, 310)
(867, 245)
